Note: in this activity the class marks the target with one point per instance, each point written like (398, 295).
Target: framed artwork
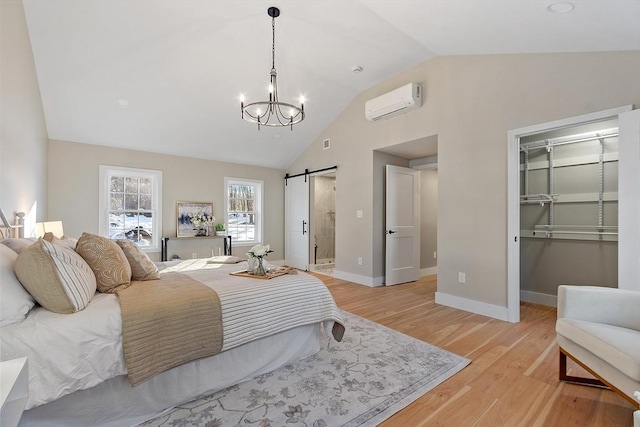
(194, 219)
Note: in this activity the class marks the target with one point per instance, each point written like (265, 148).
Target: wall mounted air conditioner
(394, 103)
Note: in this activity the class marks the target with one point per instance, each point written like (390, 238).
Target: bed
(78, 375)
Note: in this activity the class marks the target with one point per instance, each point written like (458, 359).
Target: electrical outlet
(359, 214)
(194, 255)
(359, 260)
(462, 277)
(435, 255)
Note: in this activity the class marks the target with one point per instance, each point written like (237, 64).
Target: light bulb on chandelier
(271, 113)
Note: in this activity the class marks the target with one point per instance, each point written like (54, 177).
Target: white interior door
(629, 201)
(402, 205)
(296, 222)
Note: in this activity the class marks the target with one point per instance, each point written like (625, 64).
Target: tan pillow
(224, 259)
(142, 268)
(68, 242)
(55, 276)
(107, 261)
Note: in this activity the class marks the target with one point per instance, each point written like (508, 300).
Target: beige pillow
(107, 261)
(224, 259)
(142, 268)
(68, 242)
(55, 276)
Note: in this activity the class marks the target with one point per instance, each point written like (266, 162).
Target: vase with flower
(258, 252)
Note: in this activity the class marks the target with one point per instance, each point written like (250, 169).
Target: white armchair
(599, 328)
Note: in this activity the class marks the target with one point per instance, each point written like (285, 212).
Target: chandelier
(273, 112)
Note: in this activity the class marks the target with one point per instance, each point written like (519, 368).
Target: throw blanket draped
(166, 323)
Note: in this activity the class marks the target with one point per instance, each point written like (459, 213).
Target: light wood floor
(513, 377)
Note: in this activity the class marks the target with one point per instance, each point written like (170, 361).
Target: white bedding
(114, 403)
(70, 352)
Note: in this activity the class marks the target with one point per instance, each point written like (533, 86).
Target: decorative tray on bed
(280, 271)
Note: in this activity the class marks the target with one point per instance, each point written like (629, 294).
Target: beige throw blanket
(166, 323)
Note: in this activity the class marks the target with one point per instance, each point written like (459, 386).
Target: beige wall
(23, 132)
(73, 191)
(428, 217)
(470, 103)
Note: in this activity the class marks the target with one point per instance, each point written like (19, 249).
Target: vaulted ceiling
(165, 75)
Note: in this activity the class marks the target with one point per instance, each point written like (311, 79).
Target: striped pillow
(55, 276)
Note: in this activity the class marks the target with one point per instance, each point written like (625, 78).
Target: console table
(164, 243)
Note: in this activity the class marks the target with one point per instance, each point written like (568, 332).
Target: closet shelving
(597, 231)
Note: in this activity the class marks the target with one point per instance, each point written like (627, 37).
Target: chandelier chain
(273, 43)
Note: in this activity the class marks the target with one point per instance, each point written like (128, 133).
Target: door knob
(391, 232)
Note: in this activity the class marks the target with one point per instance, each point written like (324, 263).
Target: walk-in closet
(568, 209)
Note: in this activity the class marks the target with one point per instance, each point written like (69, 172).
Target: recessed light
(123, 103)
(561, 7)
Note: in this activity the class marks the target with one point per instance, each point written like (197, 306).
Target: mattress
(71, 352)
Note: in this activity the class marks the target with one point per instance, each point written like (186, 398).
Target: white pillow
(15, 301)
(18, 244)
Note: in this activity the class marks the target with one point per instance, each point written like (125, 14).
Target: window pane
(145, 201)
(131, 201)
(241, 198)
(145, 186)
(241, 226)
(117, 201)
(116, 225)
(117, 184)
(139, 228)
(131, 185)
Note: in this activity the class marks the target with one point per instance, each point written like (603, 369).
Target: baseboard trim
(538, 298)
(359, 279)
(429, 271)
(472, 306)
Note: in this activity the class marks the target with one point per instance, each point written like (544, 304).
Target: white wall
(428, 219)
(23, 132)
(470, 104)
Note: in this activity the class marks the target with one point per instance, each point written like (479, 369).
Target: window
(130, 201)
(244, 210)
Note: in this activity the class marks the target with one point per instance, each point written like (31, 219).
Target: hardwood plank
(513, 377)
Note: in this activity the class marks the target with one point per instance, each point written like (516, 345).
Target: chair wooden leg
(590, 381)
(577, 380)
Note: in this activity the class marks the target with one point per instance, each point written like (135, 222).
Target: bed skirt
(115, 403)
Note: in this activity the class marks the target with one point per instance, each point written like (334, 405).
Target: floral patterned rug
(372, 374)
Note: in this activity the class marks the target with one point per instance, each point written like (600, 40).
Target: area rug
(372, 374)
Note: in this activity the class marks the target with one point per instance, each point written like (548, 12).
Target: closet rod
(534, 145)
(594, 233)
(537, 198)
(589, 227)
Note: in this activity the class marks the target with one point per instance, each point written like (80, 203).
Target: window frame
(258, 211)
(106, 172)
